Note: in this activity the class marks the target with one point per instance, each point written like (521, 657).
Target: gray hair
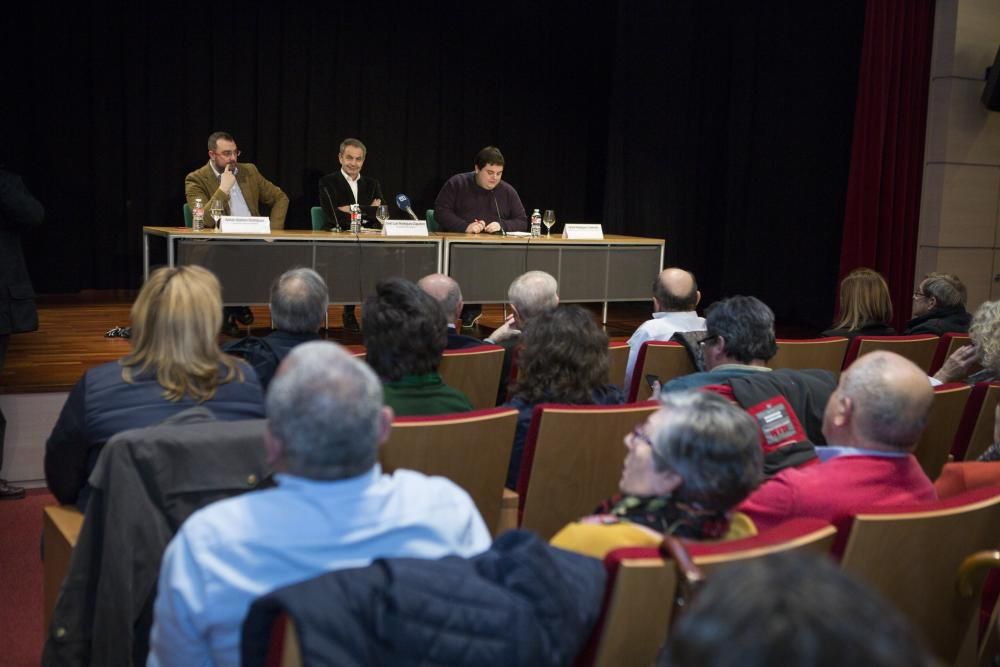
(747, 325)
(947, 288)
(985, 333)
(886, 407)
(713, 445)
(324, 407)
(356, 143)
(533, 293)
(299, 299)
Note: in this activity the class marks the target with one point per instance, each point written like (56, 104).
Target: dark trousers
(4, 340)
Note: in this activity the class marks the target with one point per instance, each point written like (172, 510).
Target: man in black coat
(939, 306)
(446, 292)
(19, 212)
(339, 190)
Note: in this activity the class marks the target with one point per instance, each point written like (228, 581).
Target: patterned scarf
(667, 515)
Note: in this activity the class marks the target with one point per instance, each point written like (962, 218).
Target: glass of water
(215, 210)
(549, 219)
(382, 214)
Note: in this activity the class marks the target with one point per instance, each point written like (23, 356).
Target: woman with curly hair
(564, 360)
(175, 364)
(984, 349)
(865, 306)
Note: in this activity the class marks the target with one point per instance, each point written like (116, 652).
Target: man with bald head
(872, 422)
(675, 297)
(446, 292)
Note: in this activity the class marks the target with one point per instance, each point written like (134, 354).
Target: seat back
(664, 359)
(975, 432)
(918, 348)
(431, 220)
(641, 587)
(911, 555)
(572, 461)
(317, 217)
(188, 216)
(618, 352)
(471, 449)
(948, 343)
(825, 353)
(475, 372)
(942, 423)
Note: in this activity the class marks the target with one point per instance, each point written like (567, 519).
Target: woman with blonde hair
(175, 364)
(865, 306)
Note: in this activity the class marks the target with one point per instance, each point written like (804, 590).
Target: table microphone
(403, 202)
(333, 208)
(502, 232)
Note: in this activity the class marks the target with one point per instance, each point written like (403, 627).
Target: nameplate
(235, 224)
(582, 231)
(404, 228)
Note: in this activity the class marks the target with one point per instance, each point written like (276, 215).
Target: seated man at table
(480, 201)
(299, 300)
(446, 292)
(242, 190)
(872, 422)
(332, 509)
(405, 332)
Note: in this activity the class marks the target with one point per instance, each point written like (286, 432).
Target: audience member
(984, 349)
(865, 306)
(939, 306)
(793, 610)
(565, 360)
(687, 466)
(529, 295)
(448, 294)
(872, 422)
(739, 342)
(19, 213)
(675, 296)
(175, 364)
(342, 189)
(480, 201)
(299, 300)
(404, 332)
(332, 509)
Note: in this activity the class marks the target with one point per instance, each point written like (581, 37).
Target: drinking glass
(215, 210)
(382, 214)
(549, 219)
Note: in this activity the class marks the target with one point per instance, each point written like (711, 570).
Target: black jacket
(522, 602)
(146, 483)
(334, 186)
(948, 319)
(266, 354)
(19, 213)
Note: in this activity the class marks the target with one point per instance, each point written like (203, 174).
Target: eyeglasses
(640, 435)
(228, 154)
(920, 295)
(708, 339)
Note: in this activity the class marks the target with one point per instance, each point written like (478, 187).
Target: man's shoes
(244, 315)
(469, 319)
(230, 327)
(351, 322)
(8, 492)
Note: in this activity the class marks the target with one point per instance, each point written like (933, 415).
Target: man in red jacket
(872, 422)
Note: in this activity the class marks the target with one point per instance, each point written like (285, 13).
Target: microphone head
(402, 201)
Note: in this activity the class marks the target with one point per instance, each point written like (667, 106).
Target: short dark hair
(299, 300)
(564, 358)
(746, 324)
(404, 330)
(213, 139)
(790, 609)
(676, 303)
(489, 155)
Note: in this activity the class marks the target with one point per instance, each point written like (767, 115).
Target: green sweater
(417, 395)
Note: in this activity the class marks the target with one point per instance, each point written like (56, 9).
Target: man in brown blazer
(241, 188)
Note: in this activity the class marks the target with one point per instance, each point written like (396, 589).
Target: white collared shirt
(353, 182)
(237, 202)
(661, 327)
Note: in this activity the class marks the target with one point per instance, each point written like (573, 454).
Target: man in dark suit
(340, 190)
(19, 212)
(446, 292)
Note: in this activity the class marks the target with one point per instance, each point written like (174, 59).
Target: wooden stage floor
(70, 338)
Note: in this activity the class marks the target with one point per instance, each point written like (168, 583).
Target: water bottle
(198, 216)
(355, 219)
(536, 223)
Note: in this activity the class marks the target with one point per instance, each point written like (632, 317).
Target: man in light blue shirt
(333, 508)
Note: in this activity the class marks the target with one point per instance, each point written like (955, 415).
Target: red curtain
(887, 153)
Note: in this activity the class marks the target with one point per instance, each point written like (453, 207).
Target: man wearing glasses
(242, 190)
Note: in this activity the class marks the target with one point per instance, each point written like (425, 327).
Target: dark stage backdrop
(723, 127)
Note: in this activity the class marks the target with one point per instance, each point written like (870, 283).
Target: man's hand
(957, 366)
(475, 227)
(376, 202)
(505, 331)
(493, 227)
(228, 180)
